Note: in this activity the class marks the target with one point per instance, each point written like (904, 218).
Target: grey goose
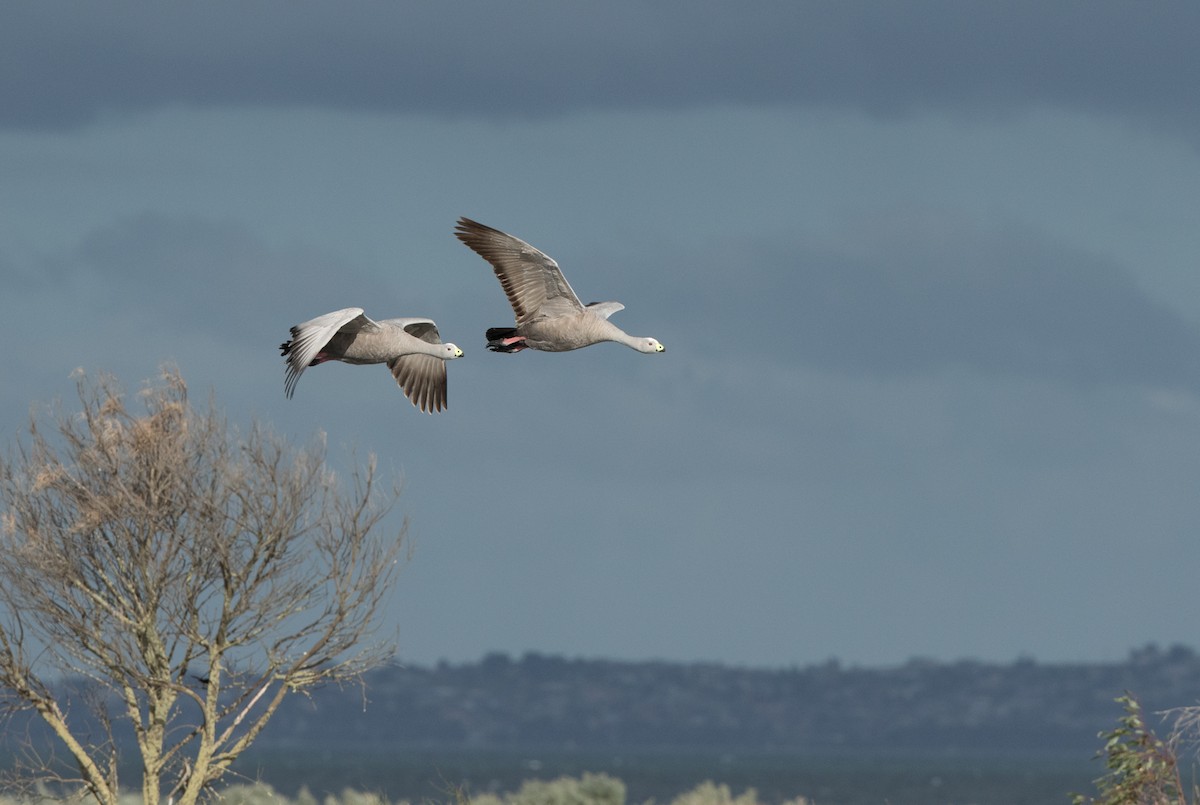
(411, 348)
(549, 315)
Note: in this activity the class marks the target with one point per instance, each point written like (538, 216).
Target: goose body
(411, 348)
(549, 315)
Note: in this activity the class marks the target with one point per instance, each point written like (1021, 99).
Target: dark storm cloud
(65, 64)
(1008, 302)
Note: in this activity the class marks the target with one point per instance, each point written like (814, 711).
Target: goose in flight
(411, 348)
(549, 315)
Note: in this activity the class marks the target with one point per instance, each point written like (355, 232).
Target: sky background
(926, 273)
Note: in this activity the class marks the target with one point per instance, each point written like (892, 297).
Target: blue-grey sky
(926, 273)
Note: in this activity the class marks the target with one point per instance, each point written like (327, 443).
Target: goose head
(649, 345)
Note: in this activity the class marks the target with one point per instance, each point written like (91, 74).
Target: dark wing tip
(468, 228)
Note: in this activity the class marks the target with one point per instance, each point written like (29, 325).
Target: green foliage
(591, 789)
(600, 789)
(256, 794)
(708, 793)
(352, 797)
(1142, 768)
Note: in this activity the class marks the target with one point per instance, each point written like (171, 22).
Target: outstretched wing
(532, 281)
(423, 379)
(309, 338)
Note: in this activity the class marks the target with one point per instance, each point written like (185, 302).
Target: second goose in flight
(550, 316)
(411, 348)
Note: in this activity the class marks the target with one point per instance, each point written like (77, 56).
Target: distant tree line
(539, 700)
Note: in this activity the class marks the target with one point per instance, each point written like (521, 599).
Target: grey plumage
(549, 315)
(411, 347)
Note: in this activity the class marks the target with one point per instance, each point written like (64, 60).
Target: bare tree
(191, 576)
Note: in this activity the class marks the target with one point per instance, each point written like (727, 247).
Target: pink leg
(508, 343)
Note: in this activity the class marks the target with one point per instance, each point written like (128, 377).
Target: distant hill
(539, 701)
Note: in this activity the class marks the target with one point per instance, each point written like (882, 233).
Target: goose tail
(504, 339)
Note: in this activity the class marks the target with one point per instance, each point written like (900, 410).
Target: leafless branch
(194, 576)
